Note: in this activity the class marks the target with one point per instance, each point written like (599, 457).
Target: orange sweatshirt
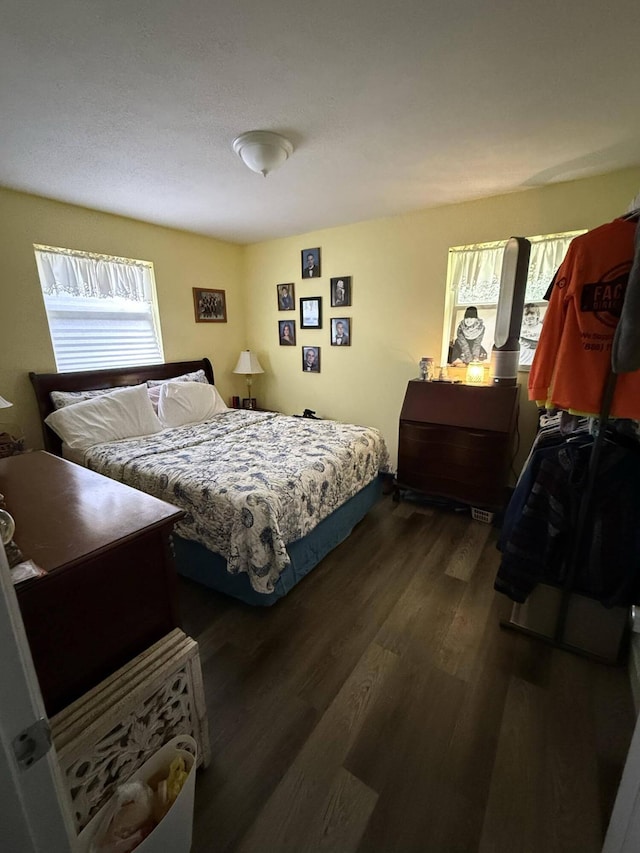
(573, 357)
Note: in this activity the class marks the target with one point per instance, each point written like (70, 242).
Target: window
(473, 289)
(102, 311)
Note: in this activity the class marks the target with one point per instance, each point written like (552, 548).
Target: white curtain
(547, 253)
(86, 276)
(475, 271)
(101, 311)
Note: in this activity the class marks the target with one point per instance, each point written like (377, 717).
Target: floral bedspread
(250, 482)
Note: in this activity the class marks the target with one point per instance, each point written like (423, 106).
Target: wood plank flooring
(380, 707)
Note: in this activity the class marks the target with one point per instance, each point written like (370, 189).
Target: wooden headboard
(91, 380)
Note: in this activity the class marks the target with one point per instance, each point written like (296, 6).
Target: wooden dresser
(456, 441)
(111, 588)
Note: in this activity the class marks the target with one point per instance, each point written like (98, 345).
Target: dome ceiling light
(262, 151)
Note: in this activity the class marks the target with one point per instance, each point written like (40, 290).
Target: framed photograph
(287, 333)
(286, 297)
(341, 331)
(210, 305)
(340, 291)
(310, 261)
(532, 319)
(249, 403)
(311, 312)
(472, 332)
(311, 359)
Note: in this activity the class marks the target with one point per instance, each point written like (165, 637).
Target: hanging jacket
(573, 358)
(536, 546)
(626, 344)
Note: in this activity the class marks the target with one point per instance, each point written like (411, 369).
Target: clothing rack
(585, 507)
(558, 637)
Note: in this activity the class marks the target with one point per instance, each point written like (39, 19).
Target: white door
(623, 835)
(34, 815)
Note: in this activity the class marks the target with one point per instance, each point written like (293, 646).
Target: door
(623, 835)
(34, 815)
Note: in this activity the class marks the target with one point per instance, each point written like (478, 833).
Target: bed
(266, 496)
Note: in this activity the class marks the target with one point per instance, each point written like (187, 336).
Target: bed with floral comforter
(250, 482)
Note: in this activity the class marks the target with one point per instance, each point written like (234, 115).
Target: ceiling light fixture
(262, 151)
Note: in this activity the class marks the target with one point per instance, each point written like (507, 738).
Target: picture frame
(249, 403)
(310, 263)
(210, 305)
(286, 296)
(476, 343)
(311, 359)
(341, 331)
(287, 332)
(340, 291)
(533, 315)
(310, 312)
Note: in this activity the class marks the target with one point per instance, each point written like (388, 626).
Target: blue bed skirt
(194, 561)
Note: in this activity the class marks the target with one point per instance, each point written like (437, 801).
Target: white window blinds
(102, 311)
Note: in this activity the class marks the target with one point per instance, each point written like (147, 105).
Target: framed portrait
(210, 305)
(472, 332)
(286, 297)
(311, 312)
(341, 331)
(287, 333)
(340, 291)
(311, 359)
(249, 403)
(532, 319)
(310, 262)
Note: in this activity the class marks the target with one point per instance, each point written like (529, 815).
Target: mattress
(250, 482)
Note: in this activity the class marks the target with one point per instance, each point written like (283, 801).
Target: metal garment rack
(582, 522)
(581, 527)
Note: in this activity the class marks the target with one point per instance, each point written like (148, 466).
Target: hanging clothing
(541, 518)
(626, 345)
(573, 357)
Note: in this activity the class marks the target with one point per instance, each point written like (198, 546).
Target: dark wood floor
(380, 707)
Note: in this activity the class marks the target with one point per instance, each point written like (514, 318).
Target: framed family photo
(340, 291)
(210, 305)
(311, 359)
(532, 319)
(287, 333)
(311, 312)
(341, 331)
(310, 261)
(286, 297)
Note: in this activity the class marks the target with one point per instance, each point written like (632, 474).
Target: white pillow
(196, 376)
(184, 403)
(60, 399)
(154, 396)
(121, 414)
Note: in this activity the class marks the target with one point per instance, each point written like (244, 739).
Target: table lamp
(248, 364)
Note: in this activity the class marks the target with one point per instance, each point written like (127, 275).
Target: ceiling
(132, 107)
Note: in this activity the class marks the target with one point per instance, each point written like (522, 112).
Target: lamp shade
(5, 404)
(248, 363)
(262, 151)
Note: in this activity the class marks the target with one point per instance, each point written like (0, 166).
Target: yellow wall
(181, 261)
(398, 267)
